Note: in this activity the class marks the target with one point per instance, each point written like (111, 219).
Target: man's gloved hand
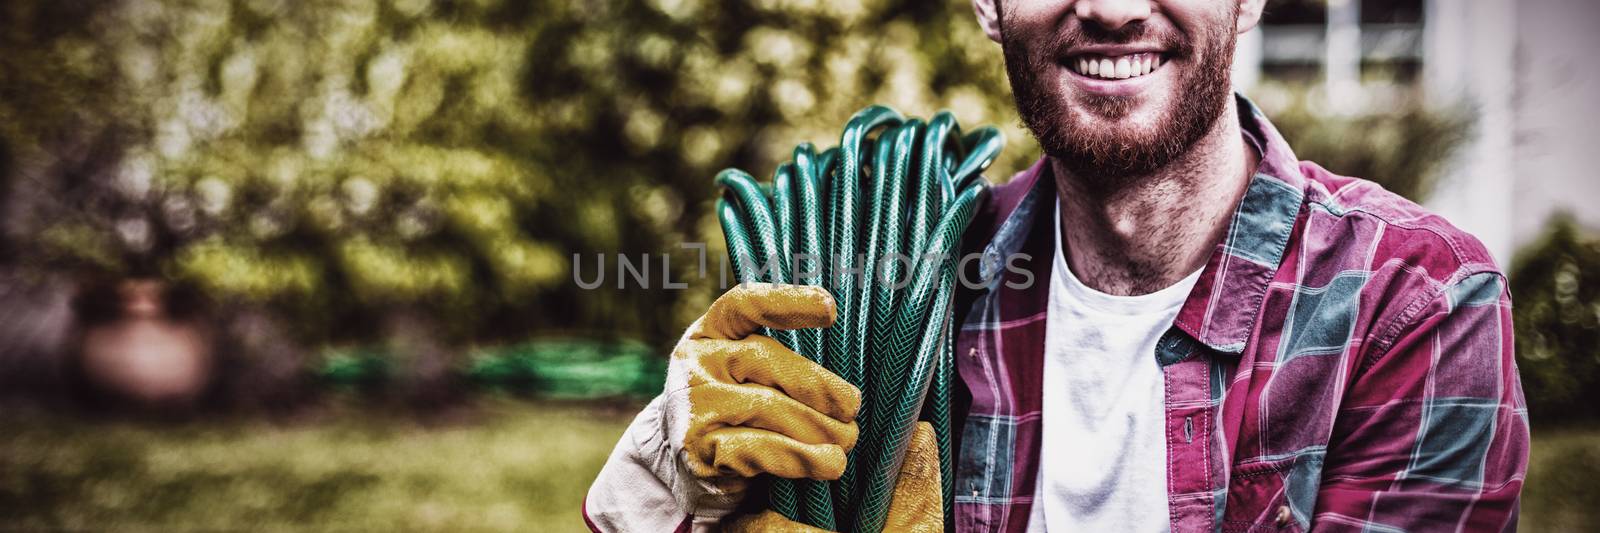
(736, 404)
(740, 404)
(914, 508)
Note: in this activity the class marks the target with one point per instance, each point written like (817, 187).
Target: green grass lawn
(513, 466)
(508, 466)
(1563, 488)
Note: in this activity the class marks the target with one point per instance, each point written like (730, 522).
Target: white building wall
(1531, 71)
(1469, 56)
(1557, 102)
(1247, 60)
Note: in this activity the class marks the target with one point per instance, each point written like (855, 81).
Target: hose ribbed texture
(878, 221)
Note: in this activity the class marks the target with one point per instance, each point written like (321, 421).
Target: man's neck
(1158, 228)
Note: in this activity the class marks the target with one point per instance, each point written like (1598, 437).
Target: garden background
(356, 222)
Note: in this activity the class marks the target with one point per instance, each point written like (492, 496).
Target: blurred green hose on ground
(878, 221)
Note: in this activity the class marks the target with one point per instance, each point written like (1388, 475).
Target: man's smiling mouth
(1121, 67)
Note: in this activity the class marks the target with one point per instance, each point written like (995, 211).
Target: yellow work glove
(744, 405)
(739, 404)
(736, 404)
(915, 507)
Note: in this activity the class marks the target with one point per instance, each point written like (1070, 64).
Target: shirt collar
(1222, 309)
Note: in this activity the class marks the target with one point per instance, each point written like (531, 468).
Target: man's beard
(1111, 156)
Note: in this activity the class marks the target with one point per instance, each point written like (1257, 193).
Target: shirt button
(972, 352)
(1284, 515)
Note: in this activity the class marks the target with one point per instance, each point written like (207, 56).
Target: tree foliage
(1555, 286)
(1398, 140)
(341, 159)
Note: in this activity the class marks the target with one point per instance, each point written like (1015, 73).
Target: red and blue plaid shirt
(1344, 364)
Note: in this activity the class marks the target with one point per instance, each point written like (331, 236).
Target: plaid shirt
(1343, 364)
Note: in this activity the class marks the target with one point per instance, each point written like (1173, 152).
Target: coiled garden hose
(878, 221)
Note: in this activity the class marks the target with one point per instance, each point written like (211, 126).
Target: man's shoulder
(1348, 216)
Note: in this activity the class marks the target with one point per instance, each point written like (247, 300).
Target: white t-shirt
(1103, 460)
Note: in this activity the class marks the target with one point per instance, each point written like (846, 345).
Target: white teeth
(1124, 67)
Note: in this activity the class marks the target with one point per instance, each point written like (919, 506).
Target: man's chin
(1139, 108)
(1110, 140)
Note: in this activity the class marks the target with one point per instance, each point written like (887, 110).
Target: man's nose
(1112, 14)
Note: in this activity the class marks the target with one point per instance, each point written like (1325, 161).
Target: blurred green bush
(570, 369)
(1555, 288)
(550, 368)
(340, 160)
(1395, 138)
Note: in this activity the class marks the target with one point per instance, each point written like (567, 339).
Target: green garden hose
(803, 217)
(845, 339)
(816, 497)
(751, 262)
(878, 221)
(914, 346)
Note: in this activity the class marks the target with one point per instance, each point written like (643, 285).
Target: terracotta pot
(143, 354)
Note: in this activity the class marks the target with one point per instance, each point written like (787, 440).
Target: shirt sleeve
(1432, 434)
(630, 493)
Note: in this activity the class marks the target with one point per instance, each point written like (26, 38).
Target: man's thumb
(917, 504)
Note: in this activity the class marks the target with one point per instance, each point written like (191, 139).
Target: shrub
(1555, 286)
(338, 160)
(1397, 140)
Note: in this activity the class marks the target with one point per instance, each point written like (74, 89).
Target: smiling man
(1211, 336)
